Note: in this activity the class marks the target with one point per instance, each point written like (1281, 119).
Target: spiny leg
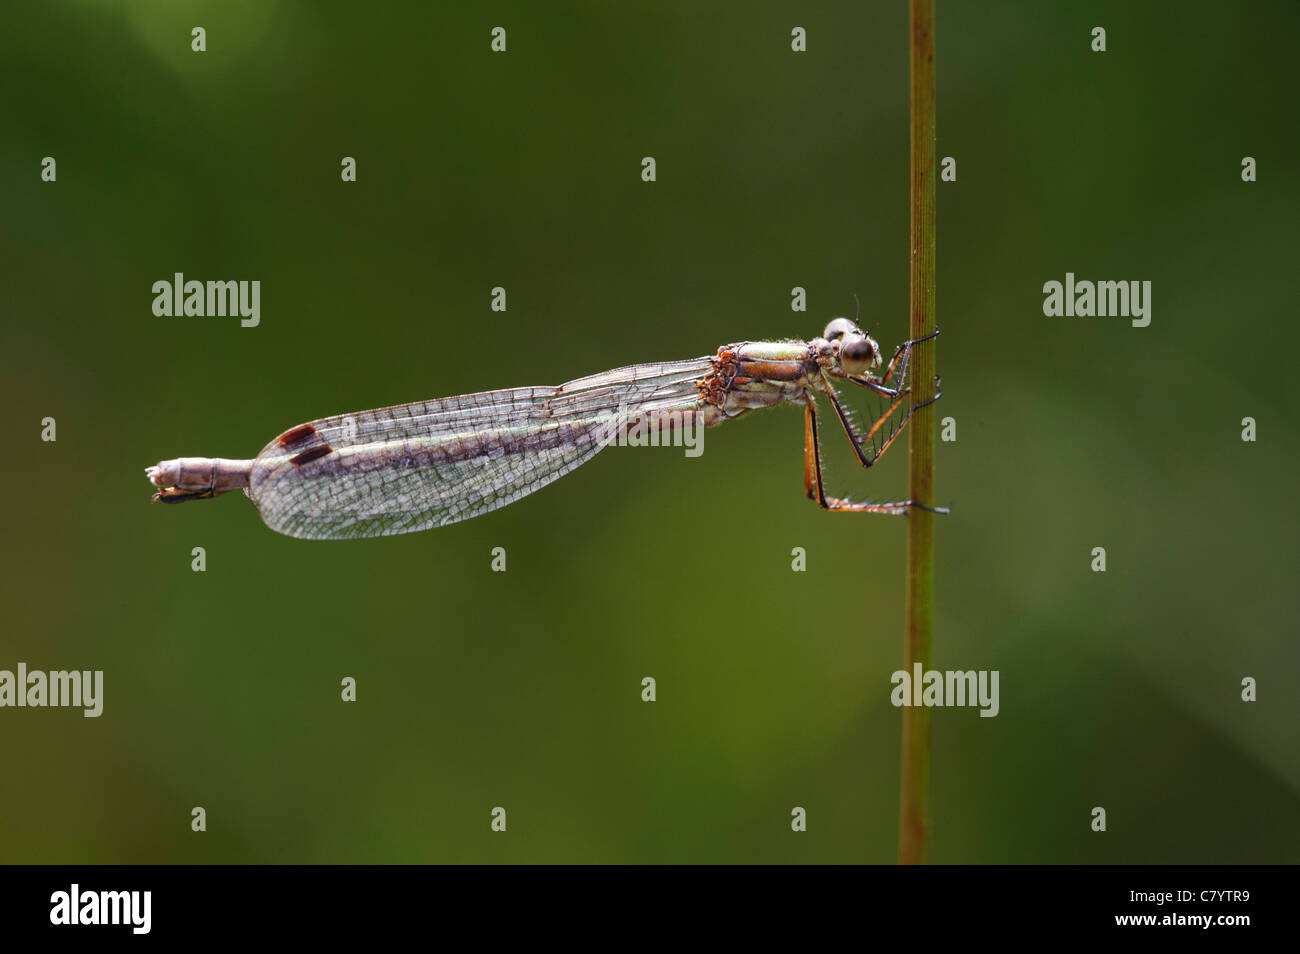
(857, 441)
(880, 420)
(812, 470)
(813, 482)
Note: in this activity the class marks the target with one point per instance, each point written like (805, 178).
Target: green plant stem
(914, 784)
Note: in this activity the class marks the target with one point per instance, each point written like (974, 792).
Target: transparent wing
(431, 463)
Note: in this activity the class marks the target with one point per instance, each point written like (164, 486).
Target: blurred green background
(522, 689)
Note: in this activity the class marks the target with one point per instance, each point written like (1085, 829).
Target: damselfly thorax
(430, 463)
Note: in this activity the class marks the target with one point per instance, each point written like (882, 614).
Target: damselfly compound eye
(858, 353)
(838, 328)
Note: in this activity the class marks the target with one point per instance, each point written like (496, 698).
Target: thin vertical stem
(914, 785)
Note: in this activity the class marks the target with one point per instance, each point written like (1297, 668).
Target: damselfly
(431, 463)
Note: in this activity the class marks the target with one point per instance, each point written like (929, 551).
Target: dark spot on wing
(296, 434)
(307, 456)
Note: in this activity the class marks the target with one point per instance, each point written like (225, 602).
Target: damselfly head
(838, 328)
(858, 353)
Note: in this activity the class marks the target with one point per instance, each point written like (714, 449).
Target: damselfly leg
(813, 479)
(864, 445)
(860, 443)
